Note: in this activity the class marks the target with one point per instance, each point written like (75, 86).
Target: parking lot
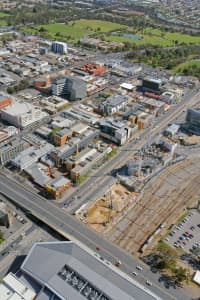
(186, 234)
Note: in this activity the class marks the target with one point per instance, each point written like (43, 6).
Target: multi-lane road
(102, 179)
(75, 230)
(71, 228)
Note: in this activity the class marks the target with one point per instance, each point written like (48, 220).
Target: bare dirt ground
(105, 211)
(163, 201)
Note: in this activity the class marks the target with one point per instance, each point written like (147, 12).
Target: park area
(190, 67)
(152, 36)
(113, 32)
(74, 30)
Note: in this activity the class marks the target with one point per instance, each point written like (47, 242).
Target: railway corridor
(162, 202)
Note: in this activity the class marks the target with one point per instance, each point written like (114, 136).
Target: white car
(148, 283)
(139, 268)
(134, 273)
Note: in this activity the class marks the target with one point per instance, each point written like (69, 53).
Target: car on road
(139, 268)
(134, 273)
(148, 283)
(118, 263)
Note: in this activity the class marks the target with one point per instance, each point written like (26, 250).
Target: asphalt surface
(75, 230)
(100, 182)
(190, 225)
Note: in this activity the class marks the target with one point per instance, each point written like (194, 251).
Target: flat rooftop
(71, 271)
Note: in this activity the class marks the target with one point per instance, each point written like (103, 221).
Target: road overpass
(72, 229)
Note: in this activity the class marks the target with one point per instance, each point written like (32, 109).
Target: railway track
(153, 210)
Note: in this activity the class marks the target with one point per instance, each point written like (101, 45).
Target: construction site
(146, 163)
(163, 199)
(104, 213)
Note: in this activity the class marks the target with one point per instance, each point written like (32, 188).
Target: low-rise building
(57, 186)
(153, 105)
(69, 270)
(62, 136)
(39, 173)
(79, 158)
(113, 104)
(11, 151)
(12, 288)
(21, 114)
(171, 130)
(31, 155)
(5, 101)
(196, 277)
(115, 131)
(93, 160)
(55, 102)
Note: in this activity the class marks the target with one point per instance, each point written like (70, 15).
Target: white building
(22, 114)
(59, 47)
(13, 289)
(196, 277)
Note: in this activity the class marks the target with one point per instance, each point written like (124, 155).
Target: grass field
(190, 67)
(73, 31)
(188, 64)
(2, 21)
(156, 37)
(2, 15)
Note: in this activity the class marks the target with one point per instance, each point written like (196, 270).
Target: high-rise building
(193, 121)
(59, 47)
(71, 87)
(152, 85)
(193, 117)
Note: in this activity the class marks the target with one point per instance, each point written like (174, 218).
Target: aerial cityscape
(100, 150)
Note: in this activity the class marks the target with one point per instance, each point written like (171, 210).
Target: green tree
(181, 275)
(10, 90)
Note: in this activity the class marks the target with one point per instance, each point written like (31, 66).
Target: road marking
(84, 237)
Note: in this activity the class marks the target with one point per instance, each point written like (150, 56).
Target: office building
(70, 87)
(31, 155)
(70, 271)
(113, 104)
(152, 85)
(11, 151)
(115, 131)
(59, 47)
(193, 120)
